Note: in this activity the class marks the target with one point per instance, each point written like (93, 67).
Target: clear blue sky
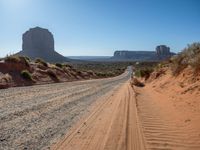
(98, 27)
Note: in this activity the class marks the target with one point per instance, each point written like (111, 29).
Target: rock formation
(39, 43)
(162, 52)
(134, 55)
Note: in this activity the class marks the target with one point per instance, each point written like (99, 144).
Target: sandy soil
(152, 117)
(169, 111)
(35, 117)
(113, 125)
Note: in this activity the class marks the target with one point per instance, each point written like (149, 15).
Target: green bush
(39, 60)
(59, 65)
(67, 65)
(26, 75)
(144, 73)
(101, 74)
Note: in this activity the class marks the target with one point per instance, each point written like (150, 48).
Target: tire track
(114, 125)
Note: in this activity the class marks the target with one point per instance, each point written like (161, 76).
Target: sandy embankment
(169, 110)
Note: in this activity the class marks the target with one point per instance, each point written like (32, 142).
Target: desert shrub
(161, 65)
(59, 65)
(196, 64)
(136, 82)
(39, 60)
(179, 63)
(7, 78)
(190, 56)
(110, 69)
(144, 73)
(101, 74)
(18, 59)
(52, 75)
(24, 60)
(13, 59)
(26, 75)
(67, 65)
(27, 58)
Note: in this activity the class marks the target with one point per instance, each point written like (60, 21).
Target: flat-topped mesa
(38, 39)
(162, 52)
(39, 43)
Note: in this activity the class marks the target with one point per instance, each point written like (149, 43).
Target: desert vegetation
(26, 75)
(136, 82)
(102, 69)
(59, 65)
(144, 73)
(144, 69)
(189, 57)
(41, 61)
(17, 59)
(23, 71)
(110, 69)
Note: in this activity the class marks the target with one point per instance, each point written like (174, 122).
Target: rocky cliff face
(38, 39)
(39, 43)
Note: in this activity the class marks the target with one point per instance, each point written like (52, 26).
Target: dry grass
(190, 56)
(39, 60)
(7, 78)
(144, 73)
(136, 82)
(18, 59)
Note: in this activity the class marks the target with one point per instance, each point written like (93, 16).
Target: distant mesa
(39, 43)
(162, 52)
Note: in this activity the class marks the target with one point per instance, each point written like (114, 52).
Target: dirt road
(113, 125)
(35, 117)
(135, 119)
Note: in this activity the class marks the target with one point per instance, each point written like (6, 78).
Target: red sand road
(113, 125)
